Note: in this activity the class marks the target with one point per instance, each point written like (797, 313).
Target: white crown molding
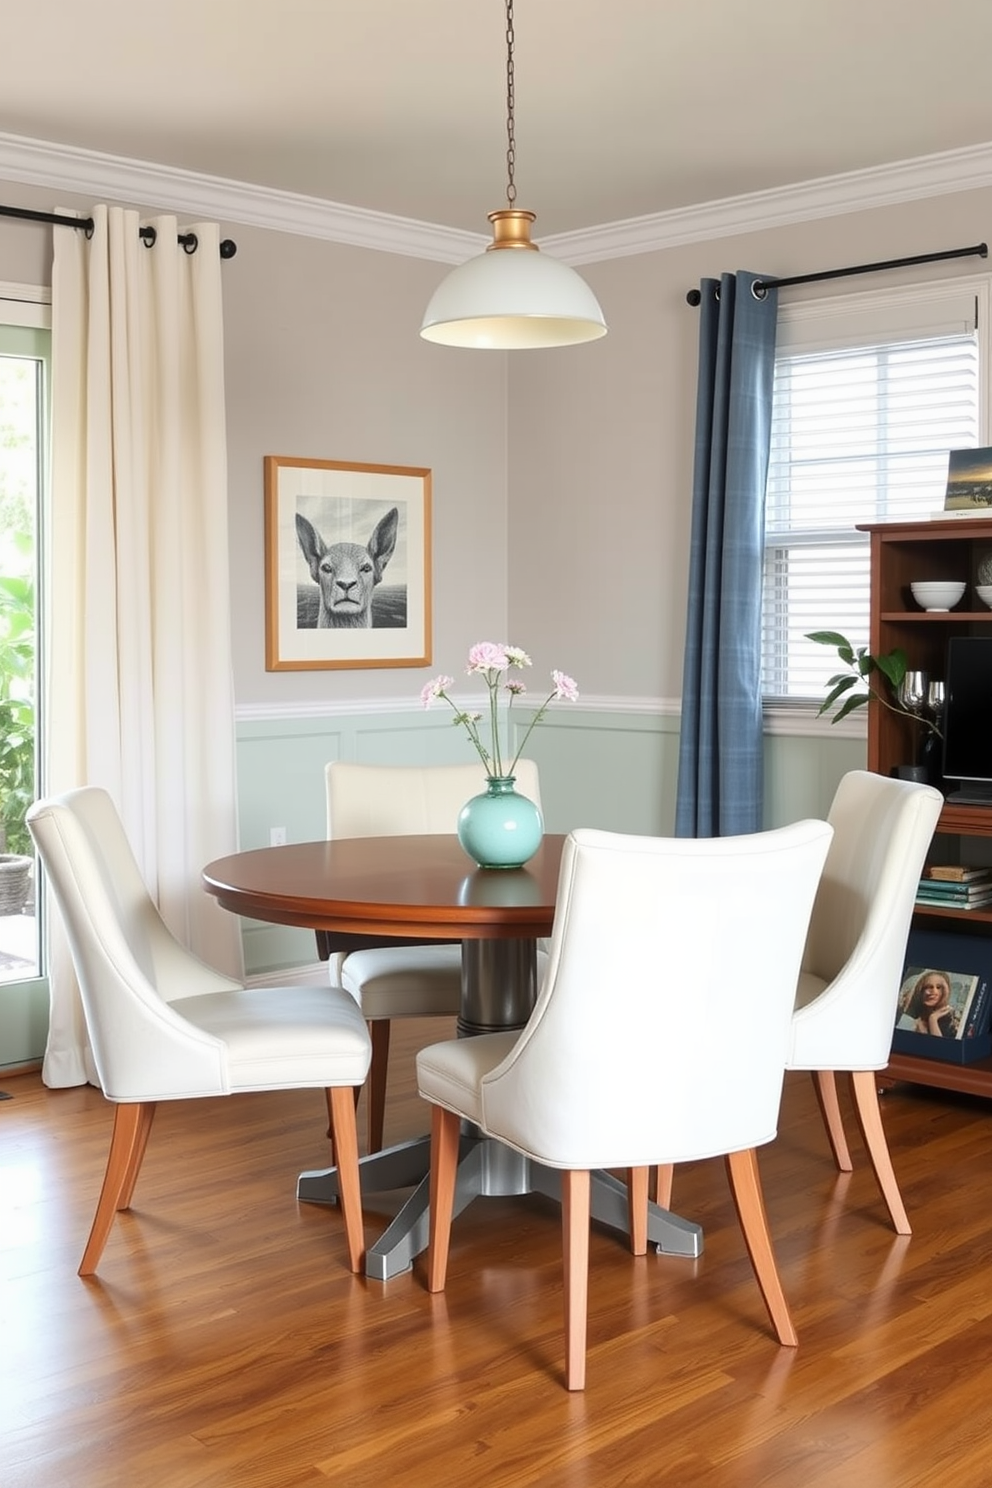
(114, 178)
(66, 168)
(968, 169)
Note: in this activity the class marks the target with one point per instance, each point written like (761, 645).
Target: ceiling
(624, 108)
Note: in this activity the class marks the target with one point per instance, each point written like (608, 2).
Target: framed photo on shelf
(347, 565)
(969, 481)
(943, 1008)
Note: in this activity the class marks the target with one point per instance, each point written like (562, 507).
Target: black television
(968, 720)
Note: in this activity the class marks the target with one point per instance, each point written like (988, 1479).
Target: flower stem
(530, 729)
(492, 680)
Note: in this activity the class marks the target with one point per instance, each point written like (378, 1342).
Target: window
(24, 355)
(871, 391)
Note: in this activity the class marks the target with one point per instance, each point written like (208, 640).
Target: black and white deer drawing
(346, 573)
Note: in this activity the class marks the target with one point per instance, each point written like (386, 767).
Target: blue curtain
(720, 746)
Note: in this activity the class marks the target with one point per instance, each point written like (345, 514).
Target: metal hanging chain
(511, 143)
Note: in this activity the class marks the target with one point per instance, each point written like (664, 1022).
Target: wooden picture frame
(347, 565)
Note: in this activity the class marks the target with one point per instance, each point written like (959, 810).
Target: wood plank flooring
(223, 1342)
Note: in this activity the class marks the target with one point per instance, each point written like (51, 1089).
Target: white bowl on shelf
(937, 594)
(984, 592)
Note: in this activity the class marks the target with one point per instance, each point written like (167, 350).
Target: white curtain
(138, 659)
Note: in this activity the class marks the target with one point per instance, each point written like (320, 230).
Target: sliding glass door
(24, 369)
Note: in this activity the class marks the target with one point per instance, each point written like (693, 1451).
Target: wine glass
(913, 692)
(935, 700)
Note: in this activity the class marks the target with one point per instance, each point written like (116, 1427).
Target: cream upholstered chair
(400, 979)
(635, 1055)
(164, 1026)
(853, 962)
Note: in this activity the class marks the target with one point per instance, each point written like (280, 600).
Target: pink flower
(491, 661)
(486, 655)
(435, 689)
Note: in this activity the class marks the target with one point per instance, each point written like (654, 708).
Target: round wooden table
(413, 888)
(426, 888)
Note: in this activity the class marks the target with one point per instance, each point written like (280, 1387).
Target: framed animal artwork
(347, 565)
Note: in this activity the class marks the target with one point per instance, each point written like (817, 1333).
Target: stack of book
(953, 886)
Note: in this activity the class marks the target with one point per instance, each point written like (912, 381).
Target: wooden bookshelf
(902, 553)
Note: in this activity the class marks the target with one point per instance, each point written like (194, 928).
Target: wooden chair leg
(575, 1189)
(637, 1209)
(445, 1141)
(349, 1184)
(745, 1185)
(129, 1138)
(376, 1084)
(148, 1110)
(330, 1118)
(865, 1092)
(825, 1085)
(663, 1189)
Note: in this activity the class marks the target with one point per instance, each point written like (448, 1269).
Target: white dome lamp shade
(513, 296)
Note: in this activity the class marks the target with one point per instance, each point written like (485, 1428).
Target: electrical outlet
(277, 836)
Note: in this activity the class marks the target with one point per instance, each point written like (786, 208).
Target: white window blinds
(870, 394)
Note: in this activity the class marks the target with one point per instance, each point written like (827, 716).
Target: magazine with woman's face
(936, 1002)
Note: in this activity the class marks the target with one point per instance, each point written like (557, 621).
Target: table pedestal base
(486, 1168)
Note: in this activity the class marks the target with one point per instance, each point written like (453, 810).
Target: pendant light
(512, 296)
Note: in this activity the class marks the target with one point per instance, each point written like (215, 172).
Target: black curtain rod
(85, 224)
(980, 250)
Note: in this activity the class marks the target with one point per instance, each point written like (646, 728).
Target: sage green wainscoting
(802, 771)
(612, 766)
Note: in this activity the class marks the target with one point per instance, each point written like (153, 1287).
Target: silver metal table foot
(668, 1232)
(395, 1167)
(486, 1169)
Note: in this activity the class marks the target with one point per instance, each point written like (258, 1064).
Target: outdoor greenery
(16, 709)
(19, 402)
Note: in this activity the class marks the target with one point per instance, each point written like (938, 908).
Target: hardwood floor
(224, 1343)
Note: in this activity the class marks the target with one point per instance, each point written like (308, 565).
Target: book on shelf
(977, 1016)
(943, 1006)
(970, 899)
(954, 890)
(933, 901)
(955, 873)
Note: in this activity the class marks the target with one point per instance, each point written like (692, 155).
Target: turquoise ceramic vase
(500, 829)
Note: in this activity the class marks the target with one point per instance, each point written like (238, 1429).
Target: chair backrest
(128, 964)
(407, 800)
(861, 918)
(660, 1029)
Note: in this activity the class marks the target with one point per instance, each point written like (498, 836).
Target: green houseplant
(859, 683)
